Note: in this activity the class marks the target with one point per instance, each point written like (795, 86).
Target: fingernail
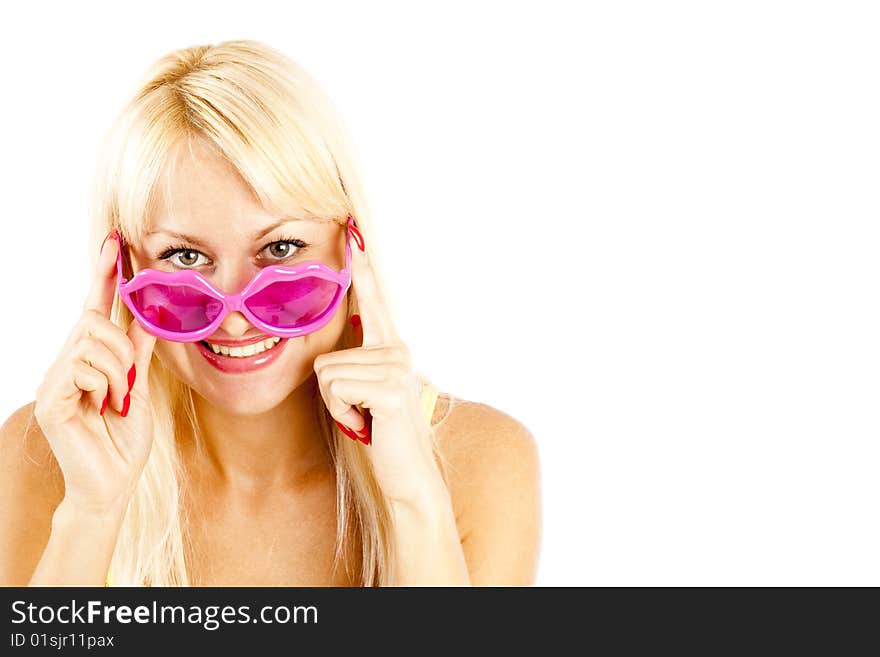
(348, 432)
(355, 320)
(112, 234)
(358, 238)
(131, 376)
(125, 404)
(365, 435)
(104, 405)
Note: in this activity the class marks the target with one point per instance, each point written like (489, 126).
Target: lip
(243, 365)
(241, 343)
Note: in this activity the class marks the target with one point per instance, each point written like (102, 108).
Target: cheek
(330, 338)
(173, 357)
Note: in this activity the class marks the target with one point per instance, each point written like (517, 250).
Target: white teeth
(248, 350)
(251, 349)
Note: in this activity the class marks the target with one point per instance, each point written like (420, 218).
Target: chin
(255, 403)
(253, 393)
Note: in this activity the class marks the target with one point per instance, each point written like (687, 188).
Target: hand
(101, 446)
(378, 376)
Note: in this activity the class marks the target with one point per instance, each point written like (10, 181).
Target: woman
(322, 459)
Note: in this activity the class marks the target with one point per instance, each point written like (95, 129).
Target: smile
(241, 360)
(245, 351)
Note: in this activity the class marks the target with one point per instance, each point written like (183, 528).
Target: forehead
(200, 190)
(201, 196)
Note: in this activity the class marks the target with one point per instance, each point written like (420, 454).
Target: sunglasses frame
(236, 302)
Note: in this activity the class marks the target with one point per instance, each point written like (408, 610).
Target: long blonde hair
(272, 121)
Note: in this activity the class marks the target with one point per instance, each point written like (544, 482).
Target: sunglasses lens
(289, 304)
(176, 308)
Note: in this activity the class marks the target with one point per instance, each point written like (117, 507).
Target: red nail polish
(348, 432)
(365, 435)
(131, 376)
(369, 428)
(104, 405)
(357, 237)
(125, 404)
(112, 234)
(355, 320)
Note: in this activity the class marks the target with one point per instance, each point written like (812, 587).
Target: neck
(256, 453)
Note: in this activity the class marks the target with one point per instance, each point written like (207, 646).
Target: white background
(646, 230)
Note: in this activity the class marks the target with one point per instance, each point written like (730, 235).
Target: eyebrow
(195, 240)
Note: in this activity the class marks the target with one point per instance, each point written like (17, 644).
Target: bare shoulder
(475, 435)
(24, 449)
(31, 487)
(493, 471)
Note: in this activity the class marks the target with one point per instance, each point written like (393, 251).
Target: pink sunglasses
(286, 302)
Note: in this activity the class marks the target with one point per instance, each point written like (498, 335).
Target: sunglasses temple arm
(121, 280)
(347, 252)
(348, 235)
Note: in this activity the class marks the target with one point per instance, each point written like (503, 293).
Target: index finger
(375, 319)
(103, 288)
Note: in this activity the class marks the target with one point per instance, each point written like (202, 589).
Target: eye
(188, 258)
(182, 256)
(285, 248)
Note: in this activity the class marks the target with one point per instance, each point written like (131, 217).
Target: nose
(235, 324)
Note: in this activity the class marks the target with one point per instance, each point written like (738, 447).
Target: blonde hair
(272, 121)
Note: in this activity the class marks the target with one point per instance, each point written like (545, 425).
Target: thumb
(143, 353)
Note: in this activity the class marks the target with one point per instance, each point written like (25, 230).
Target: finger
(143, 343)
(377, 373)
(350, 393)
(364, 355)
(341, 410)
(100, 297)
(353, 420)
(375, 319)
(96, 354)
(90, 383)
(111, 335)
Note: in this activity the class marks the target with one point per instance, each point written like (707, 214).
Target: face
(208, 220)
